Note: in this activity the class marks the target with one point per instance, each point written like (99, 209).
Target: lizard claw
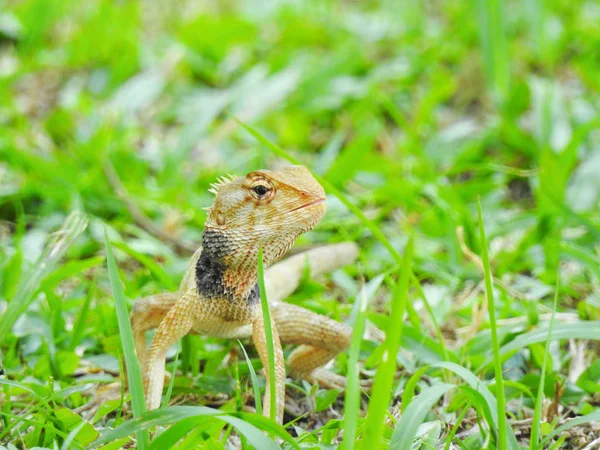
(329, 380)
(326, 379)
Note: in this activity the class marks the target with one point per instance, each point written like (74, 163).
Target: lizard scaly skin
(219, 294)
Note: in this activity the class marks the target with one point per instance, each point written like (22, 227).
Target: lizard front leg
(176, 324)
(260, 342)
(320, 339)
(147, 313)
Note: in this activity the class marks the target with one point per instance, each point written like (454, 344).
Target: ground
(412, 112)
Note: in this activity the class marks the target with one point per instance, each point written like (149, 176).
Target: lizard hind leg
(319, 338)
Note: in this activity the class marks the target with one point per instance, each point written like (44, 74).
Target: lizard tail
(283, 278)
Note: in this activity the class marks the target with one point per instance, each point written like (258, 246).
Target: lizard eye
(261, 191)
(260, 188)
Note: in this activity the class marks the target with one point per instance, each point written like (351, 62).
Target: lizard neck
(227, 267)
(220, 274)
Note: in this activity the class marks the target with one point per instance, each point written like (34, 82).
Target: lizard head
(267, 208)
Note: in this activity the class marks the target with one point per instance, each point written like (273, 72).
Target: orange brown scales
(218, 295)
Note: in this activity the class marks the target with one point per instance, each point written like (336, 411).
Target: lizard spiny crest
(221, 181)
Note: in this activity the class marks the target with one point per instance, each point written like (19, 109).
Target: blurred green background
(413, 109)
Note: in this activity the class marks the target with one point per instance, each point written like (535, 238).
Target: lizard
(219, 294)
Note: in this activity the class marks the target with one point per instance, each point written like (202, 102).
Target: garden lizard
(219, 294)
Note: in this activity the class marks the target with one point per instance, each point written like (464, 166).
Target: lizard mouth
(306, 205)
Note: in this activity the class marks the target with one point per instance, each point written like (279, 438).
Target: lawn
(458, 142)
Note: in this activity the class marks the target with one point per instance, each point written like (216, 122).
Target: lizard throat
(216, 279)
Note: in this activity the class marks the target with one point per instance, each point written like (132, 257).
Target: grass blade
(408, 425)
(489, 292)
(175, 414)
(488, 401)
(254, 378)
(134, 377)
(537, 413)
(410, 386)
(176, 362)
(268, 334)
(456, 426)
(176, 432)
(490, 15)
(593, 417)
(16, 384)
(382, 386)
(589, 330)
(70, 440)
(58, 244)
(352, 398)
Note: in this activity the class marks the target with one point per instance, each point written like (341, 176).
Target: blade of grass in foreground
(352, 398)
(268, 335)
(537, 413)
(176, 362)
(59, 243)
(457, 424)
(408, 425)
(382, 386)
(489, 292)
(175, 414)
(253, 377)
(485, 400)
(134, 377)
(593, 417)
(70, 440)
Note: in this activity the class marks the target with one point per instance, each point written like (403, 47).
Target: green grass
(423, 122)
(352, 395)
(254, 379)
(134, 375)
(382, 384)
(539, 398)
(501, 433)
(266, 315)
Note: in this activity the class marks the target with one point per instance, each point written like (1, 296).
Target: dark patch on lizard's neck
(211, 268)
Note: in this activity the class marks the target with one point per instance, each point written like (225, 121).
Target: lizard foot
(329, 380)
(326, 379)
